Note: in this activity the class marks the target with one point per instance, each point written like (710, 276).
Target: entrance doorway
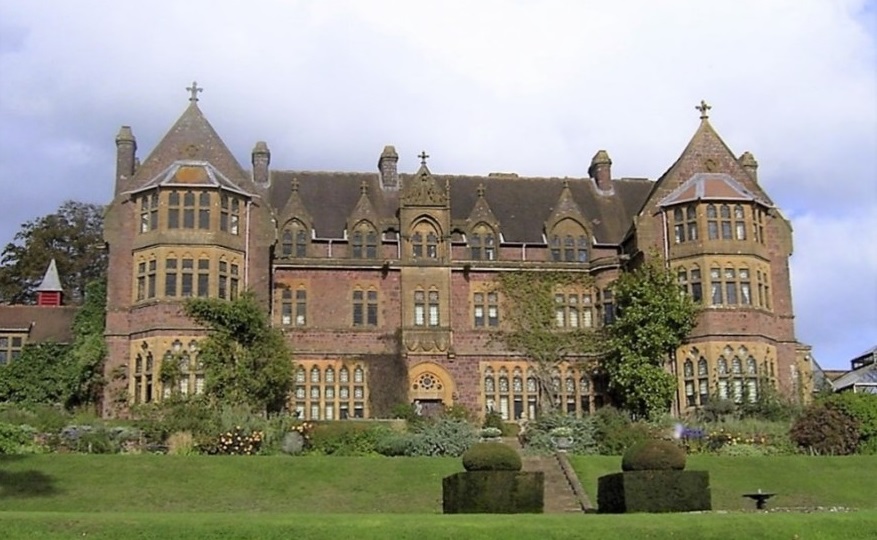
(430, 387)
(429, 408)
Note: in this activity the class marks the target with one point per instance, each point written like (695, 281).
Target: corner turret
(126, 160)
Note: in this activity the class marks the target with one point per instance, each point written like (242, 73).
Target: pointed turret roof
(566, 207)
(481, 212)
(364, 209)
(190, 138)
(51, 282)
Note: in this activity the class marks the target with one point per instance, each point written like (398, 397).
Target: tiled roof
(41, 323)
(711, 186)
(865, 374)
(189, 173)
(521, 204)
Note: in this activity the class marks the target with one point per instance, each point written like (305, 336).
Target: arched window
(424, 241)
(712, 223)
(364, 242)
(569, 242)
(725, 215)
(688, 375)
(703, 380)
(294, 240)
(739, 223)
(482, 243)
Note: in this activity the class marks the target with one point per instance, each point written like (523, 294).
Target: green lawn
(149, 496)
(799, 481)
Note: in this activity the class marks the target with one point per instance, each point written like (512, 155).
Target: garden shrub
(653, 455)
(16, 439)
(346, 438)
(494, 492)
(654, 491)
(238, 441)
(493, 419)
(444, 437)
(43, 418)
(181, 443)
(397, 444)
(717, 410)
(823, 429)
(859, 406)
(615, 432)
(538, 434)
(491, 456)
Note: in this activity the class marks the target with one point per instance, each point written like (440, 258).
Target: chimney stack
(261, 160)
(387, 165)
(747, 161)
(601, 170)
(126, 148)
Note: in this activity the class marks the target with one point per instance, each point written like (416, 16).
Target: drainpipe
(666, 239)
(247, 249)
(330, 248)
(523, 252)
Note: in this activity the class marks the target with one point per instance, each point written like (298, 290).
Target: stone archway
(431, 387)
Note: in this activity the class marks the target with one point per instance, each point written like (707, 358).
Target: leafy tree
(89, 347)
(72, 235)
(531, 325)
(246, 361)
(43, 373)
(652, 320)
(68, 375)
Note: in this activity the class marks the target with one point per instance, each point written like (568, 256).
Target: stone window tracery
(482, 243)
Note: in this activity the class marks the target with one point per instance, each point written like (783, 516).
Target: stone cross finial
(295, 185)
(363, 186)
(193, 91)
(480, 190)
(423, 156)
(703, 108)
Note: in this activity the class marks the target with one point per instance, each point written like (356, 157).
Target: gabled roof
(865, 374)
(188, 173)
(51, 282)
(711, 187)
(190, 138)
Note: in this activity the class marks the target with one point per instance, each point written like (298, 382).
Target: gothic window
(223, 280)
(364, 242)
(685, 224)
(294, 240)
(485, 309)
(424, 241)
(574, 310)
(203, 277)
(170, 277)
(173, 210)
(722, 366)
(725, 221)
(301, 306)
(758, 226)
(204, 210)
(569, 242)
(712, 223)
(482, 243)
(189, 210)
(688, 375)
(703, 381)
(745, 287)
(229, 213)
(233, 281)
(739, 223)
(608, 307)
(365, 307)
(716, 286)
(286, 306)
(320, 395)
(141, 281)
(149, 212)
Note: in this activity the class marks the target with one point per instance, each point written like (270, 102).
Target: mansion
(384, 281)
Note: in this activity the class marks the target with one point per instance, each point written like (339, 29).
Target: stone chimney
(126, 148)
(261, 160)
(747, 161)
(601, 170)
(387, 165)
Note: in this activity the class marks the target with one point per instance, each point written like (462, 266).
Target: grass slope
(799, 481)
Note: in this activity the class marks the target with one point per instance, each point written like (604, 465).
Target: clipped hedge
(654, 491)
(493, 492)
(653, 455)
(491, 456)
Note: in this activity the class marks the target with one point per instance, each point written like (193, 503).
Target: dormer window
(482, 244)
(364, 242)
(569, 243)
(294, 240)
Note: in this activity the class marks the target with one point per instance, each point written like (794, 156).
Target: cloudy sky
(520, 86)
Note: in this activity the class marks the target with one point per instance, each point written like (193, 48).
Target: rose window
(428, 381)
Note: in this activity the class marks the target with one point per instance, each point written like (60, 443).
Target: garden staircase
(563, 491)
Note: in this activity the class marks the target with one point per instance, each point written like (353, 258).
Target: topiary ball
(491, 456)
(653, 455)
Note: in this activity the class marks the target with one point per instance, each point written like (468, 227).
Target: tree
(531, 325)
(652, 320)
(73, 236)
(69, 375)
(246, 361)
(89, 347)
